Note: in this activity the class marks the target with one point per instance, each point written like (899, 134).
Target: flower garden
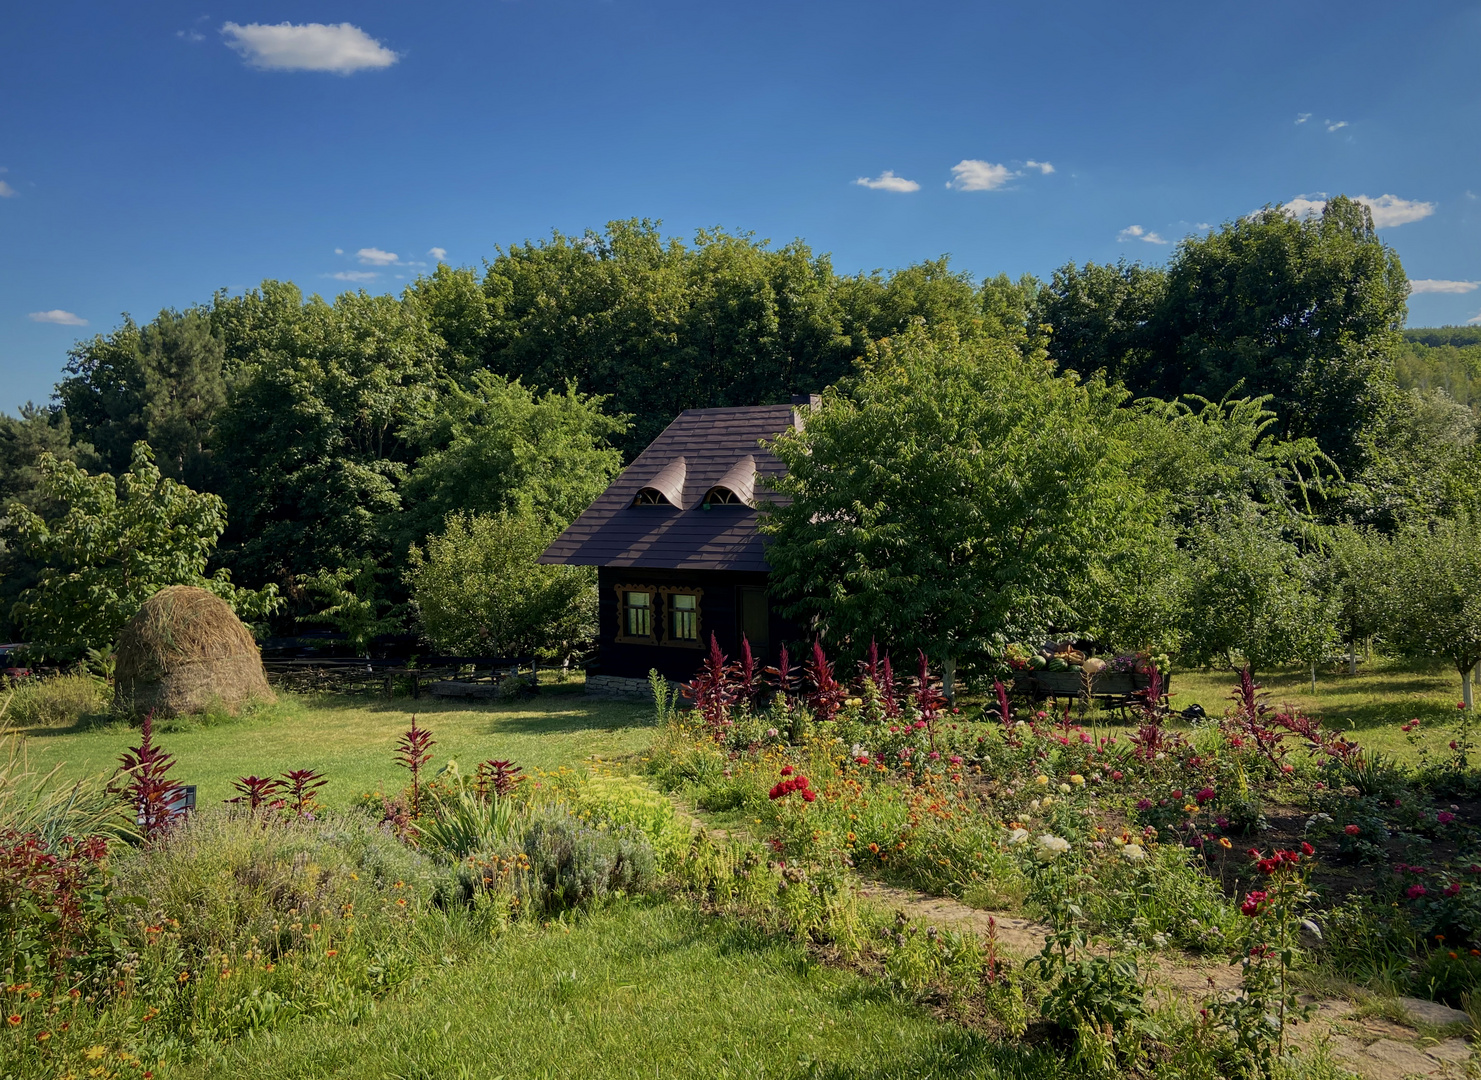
(1193, 892)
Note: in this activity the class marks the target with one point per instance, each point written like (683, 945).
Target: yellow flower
(1041, 779)
(1077, 779)
(92, 1053)
(1224, 842)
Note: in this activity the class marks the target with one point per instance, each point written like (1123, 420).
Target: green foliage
(352, 603)
(464, 823)
(623, 802)
(1252, 600)
(498, 447)
(574, 864)
(58, 702)
(315, 434)
(478, 591)
(952, 496)
(1436, 606)
(1307, 311)
(115, 545)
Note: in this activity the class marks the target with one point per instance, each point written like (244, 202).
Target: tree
(477, 590)
(163, 383)
(1252, 599)
(110, 546)
(352, 604)
(499, 446)
(1357, 578)
(24, 441)
(1307, 311)
(315, 436)
(951, 497)
(1436, 610)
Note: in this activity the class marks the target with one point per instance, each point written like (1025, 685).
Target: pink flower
(1204, 796)
(1177, 793)
(1252, 901)
(1444, 817)
(1116, 774)
(1453, 889)
(934, 755)
(1414, 892)
(1351, 830)
(955, 760)
(1144, 804)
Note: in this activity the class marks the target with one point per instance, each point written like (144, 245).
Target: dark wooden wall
(720, 614)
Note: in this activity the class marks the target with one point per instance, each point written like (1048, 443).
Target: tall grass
(42, 803)
(57, 702)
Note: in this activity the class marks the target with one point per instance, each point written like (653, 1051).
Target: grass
(351, 739)
(642, 989)
(1372, 703)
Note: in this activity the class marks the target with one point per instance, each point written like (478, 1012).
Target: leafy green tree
(315, 436)
(1253, 599)
(951, 497)
(163, 383)
(1436, 606)
(1421, 462)
(1307, 311)
(477, 590)
(1358, 578)
(24, 440)
(352, 604)
(499, 446)
(111, 546)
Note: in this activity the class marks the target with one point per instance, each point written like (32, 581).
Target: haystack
(186, 649)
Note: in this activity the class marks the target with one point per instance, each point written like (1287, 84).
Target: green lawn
(351, 739)
(642, 990)
(1372, 704)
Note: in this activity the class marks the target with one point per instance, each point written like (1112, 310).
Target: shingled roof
(709, 444)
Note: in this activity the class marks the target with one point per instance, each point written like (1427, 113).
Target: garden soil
(186, 651)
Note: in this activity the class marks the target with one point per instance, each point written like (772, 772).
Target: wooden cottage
(677, 551)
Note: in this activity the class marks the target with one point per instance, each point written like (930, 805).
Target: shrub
(234, 880)
(53, 908)
(573, 863)
(61, 701)
(626, 802)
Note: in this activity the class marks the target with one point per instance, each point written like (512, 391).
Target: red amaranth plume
(887, 694)
(826, 695)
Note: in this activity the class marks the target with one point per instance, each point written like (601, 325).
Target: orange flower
(331, 952)
(14, 1019)
(42, 1036)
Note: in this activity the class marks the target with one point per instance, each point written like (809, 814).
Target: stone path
(1374, 1048)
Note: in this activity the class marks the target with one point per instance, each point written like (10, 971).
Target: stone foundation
(615, 686)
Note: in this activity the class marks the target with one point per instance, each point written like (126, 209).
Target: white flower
(1134, 852)
(1064, 789)
(1034, 805)
(1017, 836)
(1051, 846)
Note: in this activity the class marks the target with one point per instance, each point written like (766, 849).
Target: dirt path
(1374, 1048)
(1432, 1045)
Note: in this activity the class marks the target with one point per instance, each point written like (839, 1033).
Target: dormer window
(666, 488)
(719, 496)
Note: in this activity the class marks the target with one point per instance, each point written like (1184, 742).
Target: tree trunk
(1352, 655)
(1465, 687)
(948, 679)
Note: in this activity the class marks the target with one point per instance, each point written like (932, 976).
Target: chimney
(798, 400)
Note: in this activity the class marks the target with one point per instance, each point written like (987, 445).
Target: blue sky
(156, 152)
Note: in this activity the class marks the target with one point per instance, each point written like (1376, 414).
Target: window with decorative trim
(681, 624)
(637, 614)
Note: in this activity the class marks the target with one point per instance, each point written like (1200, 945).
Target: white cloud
(190, 35)
(440, 254)
(1474, 319)
(1335, 125)
(1306, 206)
(376, 257)
(1387, 210)
(1301, 118)
(972, 175)
(1392, 210)
(1043, 166)
(341, 49)
(6, 191)
(58, 317)
(888, 181)
(1136, 232)
(339, 251)
(1439, 285)
(354, 275)
(1203, 225)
